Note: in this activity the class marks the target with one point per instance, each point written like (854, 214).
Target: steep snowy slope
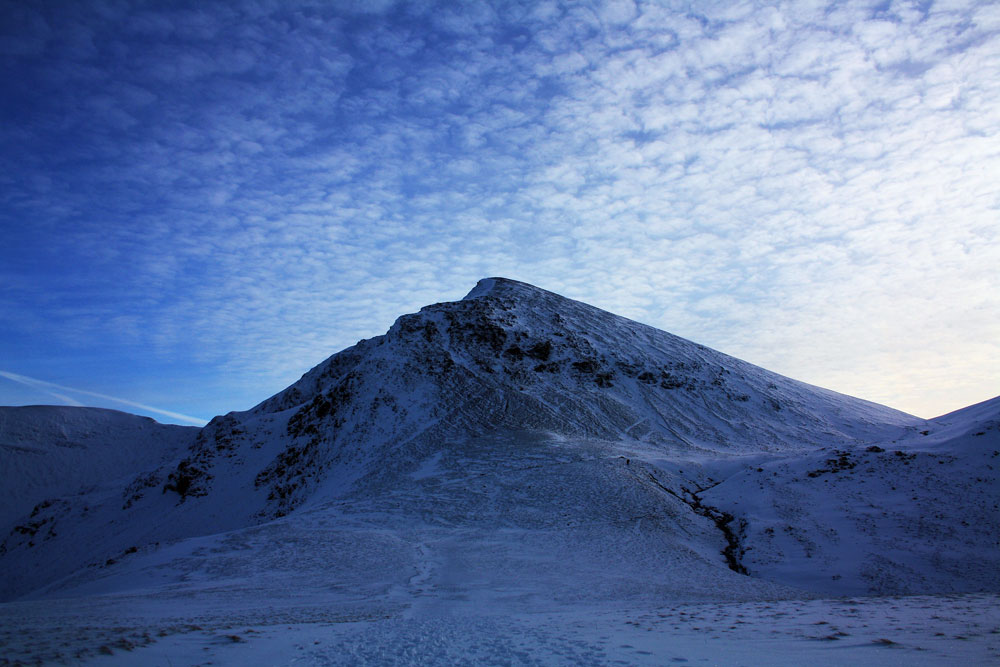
(518, 431)
(515, 356)
(918, 514)
(54, 451)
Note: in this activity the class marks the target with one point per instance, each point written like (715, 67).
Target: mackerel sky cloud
(200, 201)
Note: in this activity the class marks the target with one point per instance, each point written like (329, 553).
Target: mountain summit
(511, 445)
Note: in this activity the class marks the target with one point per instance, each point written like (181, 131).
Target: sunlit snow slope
(518, 446)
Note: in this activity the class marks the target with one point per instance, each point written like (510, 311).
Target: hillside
(913, 515)
(54, 451)
(518, 452)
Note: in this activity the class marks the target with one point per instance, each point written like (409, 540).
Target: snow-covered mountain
(916, 514)
(511, 447)
(57, 452)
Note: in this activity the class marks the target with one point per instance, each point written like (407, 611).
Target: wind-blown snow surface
(519, 460)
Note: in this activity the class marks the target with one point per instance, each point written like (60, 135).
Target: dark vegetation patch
(514, 353)
(602, 376)
(221, 436)
(39, 526)
(843, 461)
(324, 411)
(540, 351)
(138, 487)
(188, 480)
(670, 381)
(474, 327)
(286, 476)
(316, 426)
(111, 561)
(417, 324)
(629, 369)
(646, 377)
(679, 375)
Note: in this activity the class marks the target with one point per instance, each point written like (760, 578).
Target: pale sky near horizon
(201, 201)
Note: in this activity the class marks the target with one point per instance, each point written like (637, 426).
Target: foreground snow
(244, 629)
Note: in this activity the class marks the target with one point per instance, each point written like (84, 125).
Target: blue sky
(200, 201)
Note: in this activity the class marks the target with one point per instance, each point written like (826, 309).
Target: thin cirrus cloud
(60, 392)
(242, 190)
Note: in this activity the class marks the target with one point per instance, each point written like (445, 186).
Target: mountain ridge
(540, 415)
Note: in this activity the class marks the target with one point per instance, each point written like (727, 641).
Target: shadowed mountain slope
(55, 451)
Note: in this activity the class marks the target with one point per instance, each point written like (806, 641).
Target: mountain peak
(514, 356)
(497, 285)
(482, 288)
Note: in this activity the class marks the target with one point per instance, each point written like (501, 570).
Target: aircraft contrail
(47, 387)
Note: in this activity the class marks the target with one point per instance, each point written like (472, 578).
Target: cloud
(47, 388)
(42, 387)
(24, 33)
(251, 188)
